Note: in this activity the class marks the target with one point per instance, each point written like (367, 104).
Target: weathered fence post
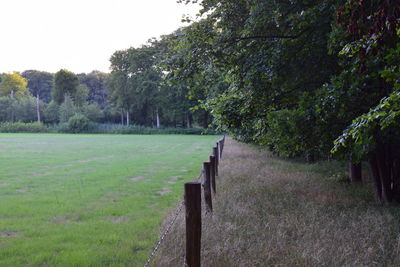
(207, 186)
(215, 152)
(222, 144)
(193, 223)
(212, 172)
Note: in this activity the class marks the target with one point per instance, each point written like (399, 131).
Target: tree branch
(238, 39)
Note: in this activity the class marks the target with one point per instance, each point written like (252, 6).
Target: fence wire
(168, 229)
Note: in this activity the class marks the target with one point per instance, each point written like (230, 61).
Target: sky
(80, 35)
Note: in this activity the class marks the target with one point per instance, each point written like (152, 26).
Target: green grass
(90, 200)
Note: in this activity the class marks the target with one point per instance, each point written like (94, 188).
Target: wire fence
(168, 228)
(217, 153)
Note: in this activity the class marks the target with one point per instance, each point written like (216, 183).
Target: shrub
(78, 124)
(21, 127)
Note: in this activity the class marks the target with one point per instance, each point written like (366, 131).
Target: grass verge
(269, 211)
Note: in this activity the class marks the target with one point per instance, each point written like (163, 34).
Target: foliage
(97, 82)
(21, 127)
(65, 83)
(13, 85)
(40, 83)
(381, 125)
(78, 124)
(92, 112)
(25, 109)
(81, 95)
(6, 107)
(67, 110)
(52, 113)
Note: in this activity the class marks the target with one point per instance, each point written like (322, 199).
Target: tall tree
(65, 83)
(40, 84)
(13, 85)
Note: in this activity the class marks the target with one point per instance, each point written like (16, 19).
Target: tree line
(305, 78)
(135, 92)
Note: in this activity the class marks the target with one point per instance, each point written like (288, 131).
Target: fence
(192, 203)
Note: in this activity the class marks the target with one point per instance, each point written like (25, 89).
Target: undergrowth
(97, 128)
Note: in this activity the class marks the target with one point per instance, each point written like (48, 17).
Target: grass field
(90, 200)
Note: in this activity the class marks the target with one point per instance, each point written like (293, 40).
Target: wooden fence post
(212, 172)
(207, 186)
(193, 224)
(215, 152)
(222, 144)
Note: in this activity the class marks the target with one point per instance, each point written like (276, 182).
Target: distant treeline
(53, 98)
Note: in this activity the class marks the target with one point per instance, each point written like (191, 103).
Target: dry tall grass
(270, 211)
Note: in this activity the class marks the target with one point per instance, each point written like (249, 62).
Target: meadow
(90, 200)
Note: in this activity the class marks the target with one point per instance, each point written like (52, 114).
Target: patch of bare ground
(165, 191)
(8, 234)
(137, 179)
(95, 158)
(269, 211)
(121, 219)
(60, 219)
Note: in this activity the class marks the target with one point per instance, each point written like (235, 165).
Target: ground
(270, 211)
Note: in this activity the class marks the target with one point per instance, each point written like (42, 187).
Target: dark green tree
(65, 83)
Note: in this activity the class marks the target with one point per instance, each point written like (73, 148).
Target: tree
(67, 110)
(65, 83)
(371, 37)
(97, 82)
(135, 83)
(13, 85)
(40, 84)
(81, 95)
(274, 57)
(52, 113)
(6, 108)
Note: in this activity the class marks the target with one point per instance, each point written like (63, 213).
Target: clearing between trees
(271, 211)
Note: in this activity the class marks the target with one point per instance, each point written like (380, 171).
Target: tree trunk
(189, 120)
(37, 107)
(12, 107)
(384, 174)
(396, 179)
(157, 119)
(127, 117)
(205, 122)
(355, 172)
(310, 157)
(122, 116)
(376, 178)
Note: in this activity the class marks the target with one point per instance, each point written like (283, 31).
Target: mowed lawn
(90, 200)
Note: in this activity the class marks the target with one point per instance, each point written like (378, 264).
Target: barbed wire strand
(168, 229)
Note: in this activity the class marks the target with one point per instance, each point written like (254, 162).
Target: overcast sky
(80, 35)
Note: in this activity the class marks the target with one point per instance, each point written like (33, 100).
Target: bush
(51, 113)
(78, 124)
(21, 127)
(135, 129)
